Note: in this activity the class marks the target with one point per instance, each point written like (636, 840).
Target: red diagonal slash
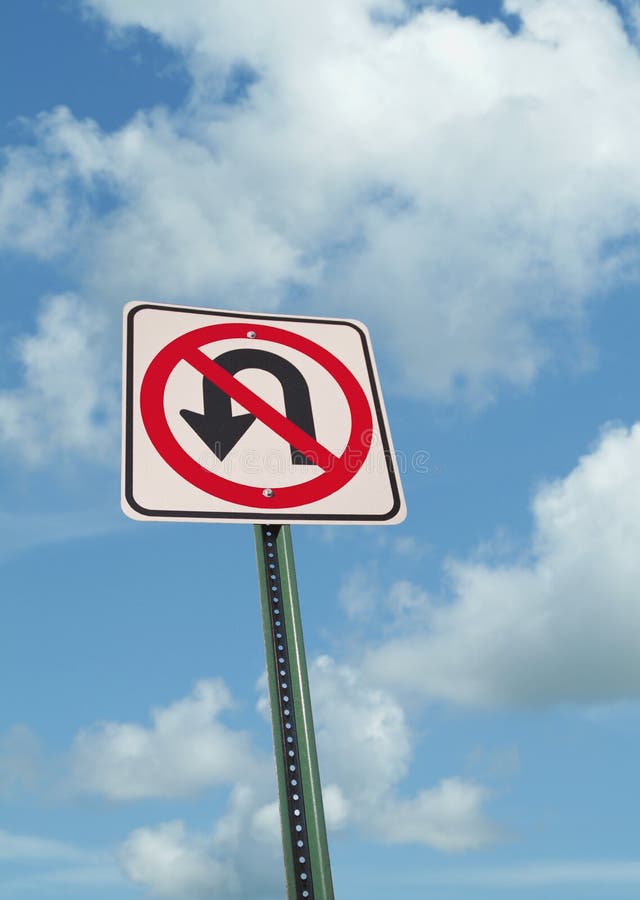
(262, 410)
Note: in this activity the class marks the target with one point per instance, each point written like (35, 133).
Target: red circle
(161, 436)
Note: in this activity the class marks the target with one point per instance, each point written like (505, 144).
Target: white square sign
(232, 416)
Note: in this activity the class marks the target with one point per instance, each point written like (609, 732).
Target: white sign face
(234, 416)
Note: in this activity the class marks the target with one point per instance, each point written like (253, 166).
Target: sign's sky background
(464, 178)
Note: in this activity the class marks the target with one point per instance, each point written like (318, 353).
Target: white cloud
(447, 817)
(240, 856)
(363, 736)
(186, 749)
(453, 183)
(182, 221)
(365, 751)
(561, 625)
(172, 864)
(365, 748)
(337, 808)
(67, 397)
(44, 189)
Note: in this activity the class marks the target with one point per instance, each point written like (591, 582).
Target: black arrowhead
(217, 427)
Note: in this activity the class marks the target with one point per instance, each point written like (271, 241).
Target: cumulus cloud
(171, 864)
(185, 750)
(456, 184)
(366, 747)
(240, 857)
(46, 189)
(447, 817)
(562, 624)
(66, 400)
(363, 735)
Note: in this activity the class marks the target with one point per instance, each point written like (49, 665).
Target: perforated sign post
(240, 417)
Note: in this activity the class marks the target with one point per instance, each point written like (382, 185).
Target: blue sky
(463, 178)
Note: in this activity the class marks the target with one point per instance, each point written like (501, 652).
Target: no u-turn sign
(233, 416)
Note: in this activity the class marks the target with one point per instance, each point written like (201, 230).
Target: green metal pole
(304, 835)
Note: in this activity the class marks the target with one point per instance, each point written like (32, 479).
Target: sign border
(251, 515)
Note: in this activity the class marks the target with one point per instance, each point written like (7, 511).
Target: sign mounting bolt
(267, 492)
(251, 334)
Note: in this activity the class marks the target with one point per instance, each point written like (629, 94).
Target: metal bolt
(267, 492)
(251, 334)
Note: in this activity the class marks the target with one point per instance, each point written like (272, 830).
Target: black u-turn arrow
(221, 431)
